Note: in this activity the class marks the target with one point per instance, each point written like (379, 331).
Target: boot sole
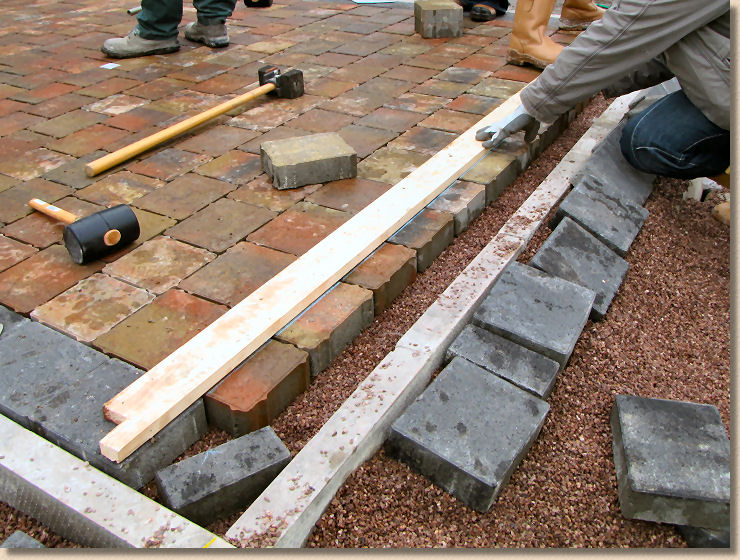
(523, 59)
(162, 50)
(214, 44)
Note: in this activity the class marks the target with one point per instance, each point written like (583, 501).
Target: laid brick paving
(213, 227)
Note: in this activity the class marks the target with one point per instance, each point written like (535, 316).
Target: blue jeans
(673, 138)
(159, 19)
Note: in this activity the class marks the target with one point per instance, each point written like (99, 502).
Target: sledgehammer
(288, 85)
(96, 235)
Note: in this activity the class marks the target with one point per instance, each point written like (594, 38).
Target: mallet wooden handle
(53, 211)
(127, 152)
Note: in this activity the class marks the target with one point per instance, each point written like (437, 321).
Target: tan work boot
(721, 212)
(576, 15)
(134, 45)
(528, 43)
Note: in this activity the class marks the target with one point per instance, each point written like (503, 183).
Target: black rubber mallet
(288, 85)
(96, 235)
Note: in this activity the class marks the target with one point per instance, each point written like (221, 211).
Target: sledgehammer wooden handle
(53, 211)
(127, 152)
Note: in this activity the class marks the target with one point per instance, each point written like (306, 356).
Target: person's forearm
(631, 33)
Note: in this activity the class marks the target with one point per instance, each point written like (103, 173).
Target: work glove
(515, 121)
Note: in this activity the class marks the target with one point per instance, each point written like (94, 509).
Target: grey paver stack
(19, 539)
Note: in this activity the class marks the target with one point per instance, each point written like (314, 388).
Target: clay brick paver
(418, 102)
(441, 88)
(116, 104)
(68, 123)
(348, 195)
(424, 140)
(159, 264)
(389, 165)
(33, 164)
(108, 87)
(319, 120)
(73, 173)
(517, 73)
(260, 192)
(122, 187)
(221, 224)
(14, 201)
(365, 140)
(328, 87)
(450, 121)
(391, 119)
(476, 104)
(237, 273)
(285, 131)
(462, 75)
(92, 307)
(12, 252)
(236, 167)
(183, 196)
(167, 164)
(39, 278)
(158, 88)
(158, 329)
(410, 73)
(215, 139)
(496, 87)
(296, 230)
(137, 119)
(87, 140)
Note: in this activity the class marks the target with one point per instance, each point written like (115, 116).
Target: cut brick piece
(428, 233)
(56, 387)
(330, 324)
(225, 479)
(464, 200)
(318, 158)
(19, 539)
(572, 253)
(386, 272)
(609, 215)
(467, 432)
(436, 19)
(672, 460)
(524, 368)
(541, 312)
(256, 392)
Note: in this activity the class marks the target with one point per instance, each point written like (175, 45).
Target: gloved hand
(515, 121)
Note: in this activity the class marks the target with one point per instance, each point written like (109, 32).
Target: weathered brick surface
(307, 161)
(224, 479)
(464, 200)
(672, 460)
(256, 392)
(428, 233)
(158, 329)
(387, 272)
(12, 252)
(325, 328)
(183, 196)
(348, 195)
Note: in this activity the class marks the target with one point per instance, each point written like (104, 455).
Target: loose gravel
(666, 335)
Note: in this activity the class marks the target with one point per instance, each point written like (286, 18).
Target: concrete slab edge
(83, 504)
(286, 512)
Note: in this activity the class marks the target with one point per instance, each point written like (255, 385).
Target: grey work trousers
(159, 19)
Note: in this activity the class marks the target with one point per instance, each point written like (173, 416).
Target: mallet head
(101, 233)
(288, 85)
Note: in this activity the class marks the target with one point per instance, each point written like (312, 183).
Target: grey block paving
(541, 312)
(611, 217)
(696, 537)
(467, 432)
(19, 539)
(56, 387)
(308, 160)
(572, 253)
(607, 166)
(435, 19)
(672, 460)
(225, 479)
(524, 368)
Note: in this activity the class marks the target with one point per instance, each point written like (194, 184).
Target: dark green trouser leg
(159, 19)
(214, 11)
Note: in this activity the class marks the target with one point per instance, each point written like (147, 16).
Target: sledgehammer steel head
(89, 238)
(288, 85)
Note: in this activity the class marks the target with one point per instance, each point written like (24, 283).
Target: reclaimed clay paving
(399, 99)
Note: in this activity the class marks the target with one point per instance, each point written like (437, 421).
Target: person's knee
(630, 141)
